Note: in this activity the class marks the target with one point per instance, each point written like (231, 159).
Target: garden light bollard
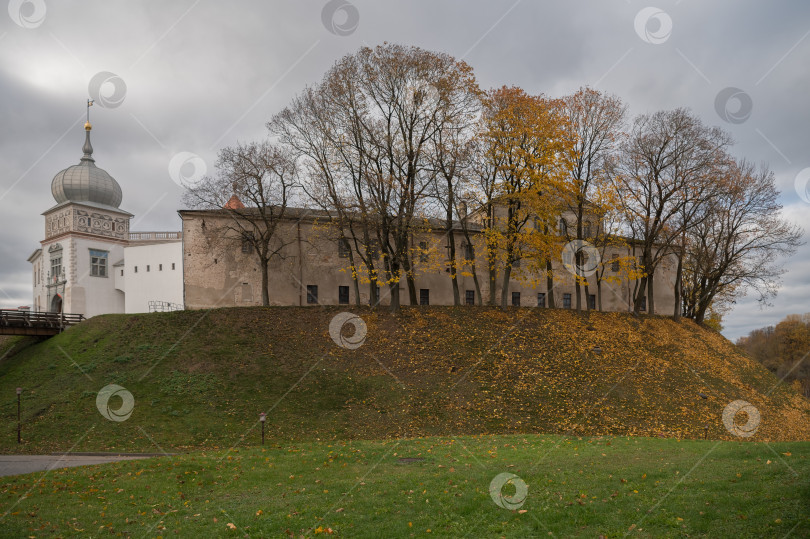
(19, 424)
(262, 419)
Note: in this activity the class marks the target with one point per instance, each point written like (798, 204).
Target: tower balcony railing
(155, 236)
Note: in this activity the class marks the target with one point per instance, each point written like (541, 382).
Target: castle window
(541, 299)
(566, 301)
(469, 251)
(147, 267)
(516, 299)
(98, 263)
(424, 296)
(312, 294)
(592, 302)
(56, 265)
(160, 267)
(343, 248)
(172, 265)
(614, 265)
(423, 254)
(343, 295)
(247, 244)
(469, 297)
(136, 269)
(563, 227)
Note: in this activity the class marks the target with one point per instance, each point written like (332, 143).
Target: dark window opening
(312, 294)
(424, 296)
(147, 267)
(469, 251)
(644, 303)
(423, 254)
(343, 295)
(614, 265)
(541, 299)
(469, 297)
(160, 267)
(592, 301)
(172, 265)
(344, 249)
(566, 301)
(516, 299)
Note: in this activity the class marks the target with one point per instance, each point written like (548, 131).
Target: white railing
(143, 236)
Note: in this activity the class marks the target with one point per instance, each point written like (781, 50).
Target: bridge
(40, 324)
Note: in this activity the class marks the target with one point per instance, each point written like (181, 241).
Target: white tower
(85, 236)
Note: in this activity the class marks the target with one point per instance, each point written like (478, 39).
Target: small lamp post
(262, 419)
(19, 424)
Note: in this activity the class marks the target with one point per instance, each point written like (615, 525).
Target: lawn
(425, 487)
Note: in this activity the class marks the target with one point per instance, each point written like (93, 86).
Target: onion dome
(86, 182)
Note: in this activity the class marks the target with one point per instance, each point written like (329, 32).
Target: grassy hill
(200, 378)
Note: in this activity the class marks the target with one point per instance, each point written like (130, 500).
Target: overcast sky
(194, 76)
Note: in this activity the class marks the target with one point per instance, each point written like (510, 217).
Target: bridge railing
(34, 319)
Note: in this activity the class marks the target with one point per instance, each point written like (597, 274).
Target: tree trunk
(640, 294)
(493, 275)
(599, 294)
(507, 273)
(678, 275)
(650, 294)
(550, 285)
(265, 284)
(577, 277)
(373, 297)
(394, 287)
(479, 300)
(453, 274)
(410, 280)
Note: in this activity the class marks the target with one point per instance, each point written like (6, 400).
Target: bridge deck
(20, 322)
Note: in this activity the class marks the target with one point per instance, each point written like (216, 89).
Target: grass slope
(592, 487)
(200, 378)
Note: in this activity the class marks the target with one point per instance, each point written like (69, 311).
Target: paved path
(20, 464)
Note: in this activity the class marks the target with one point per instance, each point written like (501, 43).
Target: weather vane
(89, 104)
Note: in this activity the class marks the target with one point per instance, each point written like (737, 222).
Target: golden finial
(87, 125)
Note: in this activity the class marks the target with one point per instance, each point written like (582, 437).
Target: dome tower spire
(88, 148)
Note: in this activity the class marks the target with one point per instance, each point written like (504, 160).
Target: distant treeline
(783, 349)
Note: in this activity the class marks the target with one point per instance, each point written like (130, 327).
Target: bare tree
(595, 120)
(737, 246)
(253, 185)
(665, 154)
